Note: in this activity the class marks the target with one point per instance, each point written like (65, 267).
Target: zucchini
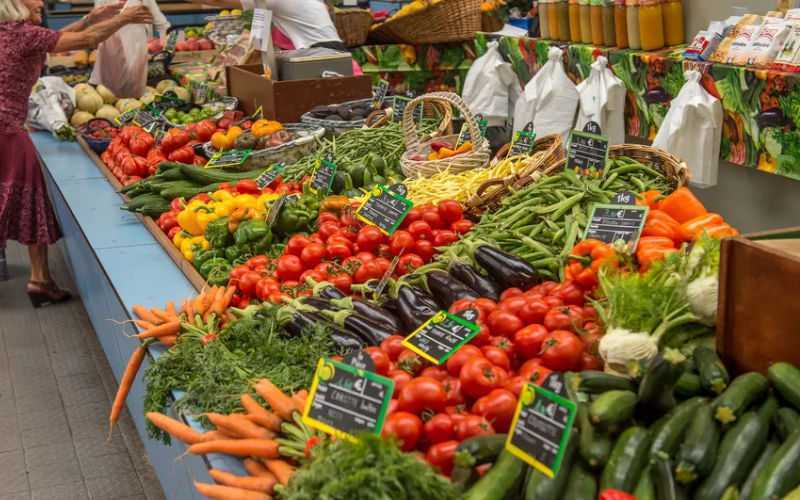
(540, 487)
(678, 337)
(743, 391)
(747, 487)
(669, 435)
(740, 448)
(612, 407)
(594, 444)
(207, 176)
(187, 192)
(656, 389)
(688, 348)
(475, 451)
(502, 478)
(698, 452)
(645, 490)
(581, 484)
(627, 460)
(144, 200)
(782, 472)
(596, 382)
(786, 421)
(786, 380)
(666, 486)
(713, 374)
(688, 385)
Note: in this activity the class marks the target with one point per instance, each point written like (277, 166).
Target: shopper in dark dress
(26, 215)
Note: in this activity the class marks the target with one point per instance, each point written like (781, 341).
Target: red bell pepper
(612, 494)
(247, 186)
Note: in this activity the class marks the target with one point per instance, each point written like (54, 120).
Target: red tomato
(257, 261)
(433, 219)
(420, 230)
(248, 282)
(364, 256)
(564, 318)
(312, 254)
(383, 264)
(393, 346)
(296, 244)
(342, 281)
(327, 217)
(612, 494)
(237, 273)
(528, 341)
(462, 226)
(406, 427)
(552, 301)
(315, 275)
(589, 313)
(400, 378)
(473, 425)
(380, 359)
(452, 387)
(424, 249)
(569, 293)
(590, 335)
(290, 267)
(444, 238)
(514, 304)
(414, 214)
(328, 229)
(510, 292)
(533, 311)
(409, 263)
(439, 428)
(457, 360)
(504, 323)
(401, 241)
(383, 250)
(485, 306)
(435, 372)
(421, 394)
(264, 287)
(442, 455)
(515, 385)
(338, 251)
(497, 356)
(478, 377)
(339, 239)
(450, 211)
(409, 361)
(533, 371)
(561, 350)
(590, 362)
(497, 407)
(368, 271)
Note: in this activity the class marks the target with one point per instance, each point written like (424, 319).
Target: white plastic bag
(549, 100)
(603, 101)
(692, 131)
(491, 86)
(50, 104)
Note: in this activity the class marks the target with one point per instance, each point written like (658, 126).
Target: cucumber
(782, 472)
(627, 460)
(688, 348)
(206, 176)
(541, 487)
(666, 486)
(187, 192)
(740, 448)
(698, 452)
(475, 451)
(581, 484)
(669, 435)
(688, 385)
(786, 380)
(747, 487)
(645, 490)
(612, 407)
(596, 382)
(594, 444)
(743, 391)
(143, 201)
(713, 374)
(786, 421)
(656, 389)
(502, 478)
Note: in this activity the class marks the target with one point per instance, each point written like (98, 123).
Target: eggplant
(472, 278)
(446, 289)
(773, 117)
(370, 332)
(415, 307)
(509, 271)
(374, 313)
(330, 292)
(656, 96)
(319, 304)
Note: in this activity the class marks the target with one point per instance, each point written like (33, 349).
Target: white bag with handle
(549, 100)
(602, 100)
(491, 86)
(692, 131)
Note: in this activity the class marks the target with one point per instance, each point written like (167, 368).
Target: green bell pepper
(217, 233)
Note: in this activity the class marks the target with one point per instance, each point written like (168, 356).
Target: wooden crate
(760, 300)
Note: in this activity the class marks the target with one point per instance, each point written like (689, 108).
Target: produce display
(342, 112)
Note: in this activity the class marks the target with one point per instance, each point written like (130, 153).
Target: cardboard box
(758, 303)
(286, 101)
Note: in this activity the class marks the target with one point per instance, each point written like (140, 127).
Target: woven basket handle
(410, 127)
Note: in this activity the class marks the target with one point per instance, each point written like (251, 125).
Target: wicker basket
(382, 34)
(353, 25)
(491, 21)
(443, 22)
(477, 158)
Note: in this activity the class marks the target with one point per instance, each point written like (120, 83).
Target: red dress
(26, 215)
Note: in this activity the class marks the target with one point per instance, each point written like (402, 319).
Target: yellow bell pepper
(266, 199)
(179, 237)
(190, 245)
(204, 217)
(187, 218)
(246, 201)
(221, 195)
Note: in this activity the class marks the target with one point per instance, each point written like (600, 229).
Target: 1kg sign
(442, 335)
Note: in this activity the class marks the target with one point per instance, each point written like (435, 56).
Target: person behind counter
(26, 214)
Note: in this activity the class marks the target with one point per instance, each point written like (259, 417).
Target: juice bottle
(574, 21)
(632, 15)
(621, 24)
(609, 31)
(544, 25)
(651, 25)
(552, 19)
(562, 8)
(673, 22)
(597, 23)
(586, 21)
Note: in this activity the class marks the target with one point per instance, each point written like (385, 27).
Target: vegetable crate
(758, 303)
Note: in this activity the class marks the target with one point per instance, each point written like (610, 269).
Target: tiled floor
(56, 389)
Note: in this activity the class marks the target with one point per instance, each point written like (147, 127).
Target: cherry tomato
(439, 428)
(296, 244)
(533, 311)
(393, 346)
(473, 425)
(478, 377)
(561, 350)
(421, 394)
(401, 241)
(504, 323)
(312, 254)
(435, 372)
(380, 359)
(420, 230)
(424, 249)
(528, 341)
(442, 455)
(498, 407)
(457, 360)
(497, 356)
(290, 267)
(533, 371)
(564, 318)
(328, 229)
(462, 226)
(450, 211)
(409, 262)
(248, 282)
(400, 378)
(444, 237)
(406, 427)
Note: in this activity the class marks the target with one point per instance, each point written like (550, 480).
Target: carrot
(144, 325)
(216, 436)
(259, 414)
(142, 313)
(239, 426)
(171, 309)
(209, 297)
(174, 428)
(256, 468)
(299, 398)
(221, 301)
(281, 404)
(282, 470)
(125, 384)
(262, 448)
(216, 296)
(257, 483)
(218, 492)
(227, 297)
(168, 340)
(162, 315)
(188, 308)
(171, 328)
(197, 304)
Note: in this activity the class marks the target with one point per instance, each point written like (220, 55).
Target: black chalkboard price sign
(399, 107)
(523, 141)
(345, 401)
(226, 159)
(587, 153)
(624, 198)
(140, 117)
(384, 209)
(379, 94)
(442, 335)
(323, 176)
(270, 175)
(541, 429)
(611, 223)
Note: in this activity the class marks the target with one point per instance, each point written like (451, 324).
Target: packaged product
(787, 58)
(768, 43)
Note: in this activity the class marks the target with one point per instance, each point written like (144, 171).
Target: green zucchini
(713, 374)
(142, 201)
(502, 478)
(596, 382)
(594, 444)
(581, 484)
(187, 192)
(612, 407)
(743, 391)
(667, 488)
(627, 460)
(645, 490)
(740, 448)
(656, 389)
(475, 451)
(786, 380)
(698, 452)
(688, 385)
(669, 435)
(786, 421)
(541, 487)
(782, 472)
(207, 176)
(747, 487)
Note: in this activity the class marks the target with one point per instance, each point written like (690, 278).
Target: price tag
(172, 40)
(140, 117)
(587, 153)
(384, 209)
(345, 400)
(399, 107)
(523, 142)
(270, 175)
(624, 198)
(442, 335)
(323, 176)
(361, 360)
(379, 94)
(611, 223)
(541, 429)
(232, 158)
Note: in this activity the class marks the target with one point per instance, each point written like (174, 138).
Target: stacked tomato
(524, 338)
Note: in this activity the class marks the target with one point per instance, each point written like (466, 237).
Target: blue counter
(117, 263)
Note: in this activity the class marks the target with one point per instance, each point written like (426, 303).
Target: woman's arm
(97, 15)
(91, 37)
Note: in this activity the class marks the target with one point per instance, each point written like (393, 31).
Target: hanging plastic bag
(549, 100)
(49, 105)
(603, 101)
(122, 59)
(491, 86)
(692, 131)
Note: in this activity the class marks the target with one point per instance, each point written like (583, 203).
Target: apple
(182, 46)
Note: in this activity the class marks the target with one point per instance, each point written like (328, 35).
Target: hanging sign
(270, 175)
(523, 142)
(385, 209)
(324, 175)
(379, 94)
(587, 153)
(227, 159)
(611, 223)
(441, 336)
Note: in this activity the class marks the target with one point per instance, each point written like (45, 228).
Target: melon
(80, 118)
(89, 101)
(108, 112)
(182, 94)
(107, 95)
(82, 88)
(124, 105)
(165, 85)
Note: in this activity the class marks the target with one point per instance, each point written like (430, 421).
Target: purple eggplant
(473, 279)
(415, 307)
(446, 289)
